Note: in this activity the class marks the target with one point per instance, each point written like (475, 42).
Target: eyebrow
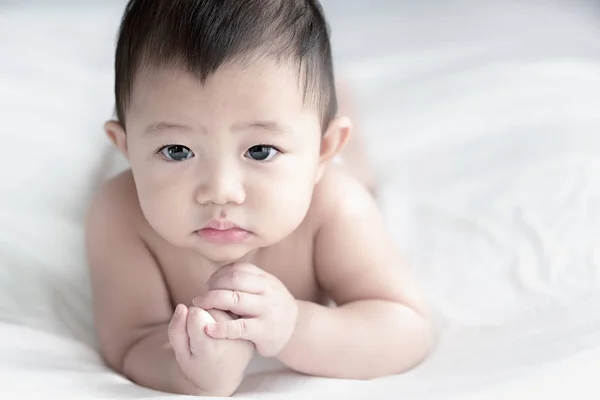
(270, 126)
(164, 126)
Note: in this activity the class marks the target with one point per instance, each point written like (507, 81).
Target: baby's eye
(177, 152)
(262, 152)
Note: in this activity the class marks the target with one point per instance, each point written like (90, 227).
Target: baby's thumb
(177, 331)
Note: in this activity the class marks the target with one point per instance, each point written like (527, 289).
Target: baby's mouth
(223, 231)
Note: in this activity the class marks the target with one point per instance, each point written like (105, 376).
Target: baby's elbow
(118, 358)
(113, 360)
(422, 344)
(415, 347)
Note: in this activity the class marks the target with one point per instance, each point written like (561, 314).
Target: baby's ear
(333, 142)
(115, 132)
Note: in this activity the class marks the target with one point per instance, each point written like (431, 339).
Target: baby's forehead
(263, 71)
(276, 84)
(235, 93)
(260, 76)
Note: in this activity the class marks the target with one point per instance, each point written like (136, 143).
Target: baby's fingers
(248, 329)
(196, 323)
(178, 335)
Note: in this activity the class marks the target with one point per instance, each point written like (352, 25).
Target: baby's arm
(381, 326)
(132, 308)
(131, 303)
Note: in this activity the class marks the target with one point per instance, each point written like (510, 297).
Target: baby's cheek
(163, 215)
(289, 207)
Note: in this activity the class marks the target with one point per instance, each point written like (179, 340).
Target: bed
(481, 119)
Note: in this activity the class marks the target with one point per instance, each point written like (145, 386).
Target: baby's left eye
(262, 152)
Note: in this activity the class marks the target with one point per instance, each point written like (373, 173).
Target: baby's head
(227, 114)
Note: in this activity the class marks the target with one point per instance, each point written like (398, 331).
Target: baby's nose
(223, 186)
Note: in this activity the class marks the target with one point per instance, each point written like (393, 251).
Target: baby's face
(241, 150)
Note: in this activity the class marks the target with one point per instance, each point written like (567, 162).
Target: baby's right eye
(176, 152)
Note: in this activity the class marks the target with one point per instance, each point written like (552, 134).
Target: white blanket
(482, 120)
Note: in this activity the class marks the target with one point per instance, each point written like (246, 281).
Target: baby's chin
(224, 254)
(219, 253)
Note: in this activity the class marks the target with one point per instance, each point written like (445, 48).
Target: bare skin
(153, 280)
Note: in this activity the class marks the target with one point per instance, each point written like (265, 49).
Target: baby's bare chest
(291, 261)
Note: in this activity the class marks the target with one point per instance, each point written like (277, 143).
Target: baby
(234, 231)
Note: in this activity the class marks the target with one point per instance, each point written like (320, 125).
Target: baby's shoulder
(116, 204)
(337, 193)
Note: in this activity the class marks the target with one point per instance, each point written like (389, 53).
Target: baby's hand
(215, 367)
(267, 309)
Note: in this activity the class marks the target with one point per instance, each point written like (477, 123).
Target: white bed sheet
(482, 120)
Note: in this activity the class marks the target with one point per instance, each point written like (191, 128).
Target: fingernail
(179, 309)
(211, 327)
(195, 301)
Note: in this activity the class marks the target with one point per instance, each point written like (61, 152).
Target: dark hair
(202, 35)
